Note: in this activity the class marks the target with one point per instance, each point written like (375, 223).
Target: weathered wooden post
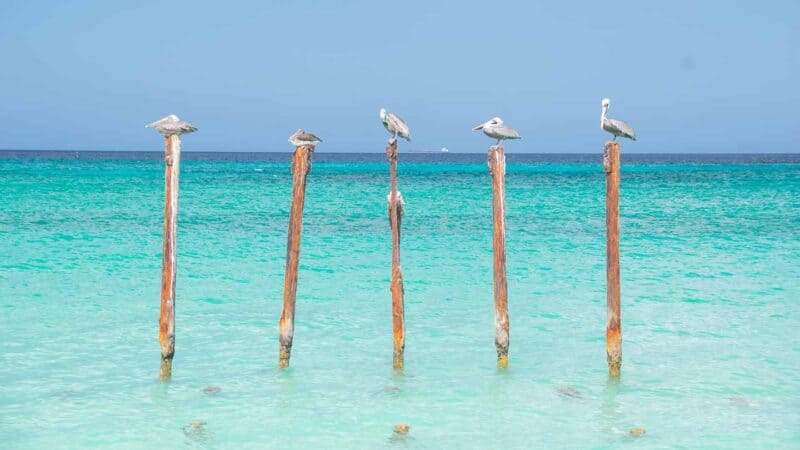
(397, 127)
(166, 322)
(301, 164)
(497, 168)
(614, 319)
(172, 128)
(395, 216)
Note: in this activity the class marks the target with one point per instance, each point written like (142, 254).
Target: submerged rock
(195, 429)
(739, 400)
(569, 391)
(637, 431)
(401, 428)
(66, 393)
(211, 390)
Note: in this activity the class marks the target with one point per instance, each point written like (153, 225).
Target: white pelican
(495, 128)
(614, 126)
(171, 126)
(300, 138)
(394, 125)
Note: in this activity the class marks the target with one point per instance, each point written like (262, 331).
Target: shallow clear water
(710, 281)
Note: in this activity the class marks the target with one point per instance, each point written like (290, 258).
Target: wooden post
(614, 319)
(166, 322)
(497, 168)
(395, 216)
(301, 164)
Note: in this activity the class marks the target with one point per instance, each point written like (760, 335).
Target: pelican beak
(479, 127)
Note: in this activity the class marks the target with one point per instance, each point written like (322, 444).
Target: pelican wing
(308, 137)
(172, 128)
(507, 132)
(397, 125)
(621, 128)
(186, 127)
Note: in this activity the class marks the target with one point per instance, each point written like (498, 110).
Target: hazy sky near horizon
(689, 76)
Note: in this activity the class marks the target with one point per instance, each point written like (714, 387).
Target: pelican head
(489, 123)
(382, 114)
(169, 118)
(606, 102)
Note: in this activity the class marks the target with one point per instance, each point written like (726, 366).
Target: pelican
(495, 128)
(400, 200)
(300, 138)
(395, 125)
(614, 126)
(171, 126)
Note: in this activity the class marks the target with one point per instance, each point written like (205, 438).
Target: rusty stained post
(166, 322)
(395, 216)
(497, 168)
(301, 164)
(614, 319)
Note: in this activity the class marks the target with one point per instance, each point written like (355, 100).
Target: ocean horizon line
(406, 157)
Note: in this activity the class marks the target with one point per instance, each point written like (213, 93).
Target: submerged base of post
(166, 368)
(614, 352)
(502, 361)
(283, 356)
(501, 343)
(397, 360)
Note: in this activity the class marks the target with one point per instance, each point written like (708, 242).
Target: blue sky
(689, 76)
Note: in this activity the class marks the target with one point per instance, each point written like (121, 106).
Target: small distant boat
(442, 150)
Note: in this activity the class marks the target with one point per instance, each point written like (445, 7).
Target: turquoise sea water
(710, 284)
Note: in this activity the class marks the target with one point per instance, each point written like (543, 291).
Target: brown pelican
(394, 125)
(614, 126)
(171, 126)
(300, 138)
(495, 128)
